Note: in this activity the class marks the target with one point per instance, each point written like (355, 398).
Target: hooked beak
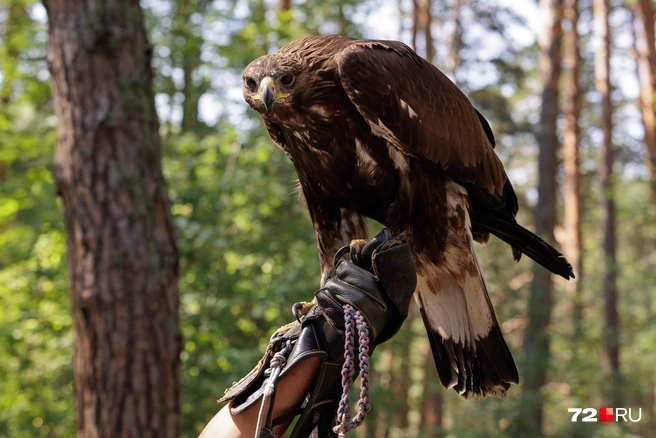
(267, 93)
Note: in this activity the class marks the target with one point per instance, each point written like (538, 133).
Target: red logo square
(606, 415)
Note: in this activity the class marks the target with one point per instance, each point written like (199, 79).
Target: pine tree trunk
(428, 29)
(611, 360)
(646, 60)
(122, 253)
(422, 20)
(573, 245)
(456, 44)
(189, 61)
(432, 411)
(536, 337)
(645, 55)
(401, 389)
(416, 24)
(403, 374)
(380, 428)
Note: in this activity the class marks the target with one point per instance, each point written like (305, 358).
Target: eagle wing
(423, 115)
(419, 111)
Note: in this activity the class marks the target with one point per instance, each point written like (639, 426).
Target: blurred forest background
(568, 88)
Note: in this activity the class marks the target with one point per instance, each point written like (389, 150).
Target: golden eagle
(376, 131)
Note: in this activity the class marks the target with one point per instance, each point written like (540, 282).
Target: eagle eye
(250, 83)
(287, 79)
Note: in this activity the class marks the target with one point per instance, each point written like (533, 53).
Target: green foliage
(36, 394)
(247, 253)
(247, 249)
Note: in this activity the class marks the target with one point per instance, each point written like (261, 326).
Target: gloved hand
(379, 282)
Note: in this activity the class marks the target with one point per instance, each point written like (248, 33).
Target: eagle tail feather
(470, 353)
(480, 365)
(526, 242)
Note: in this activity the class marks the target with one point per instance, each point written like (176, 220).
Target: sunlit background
(247, 249)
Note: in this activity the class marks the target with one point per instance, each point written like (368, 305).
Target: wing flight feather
(397, 91)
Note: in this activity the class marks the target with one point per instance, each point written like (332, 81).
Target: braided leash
(275, 367)
(353, 318)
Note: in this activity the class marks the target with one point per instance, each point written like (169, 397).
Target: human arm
(377, 286)
(291, 390)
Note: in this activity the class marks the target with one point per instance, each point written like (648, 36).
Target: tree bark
(189, 60)
(456, 44)
(401, 390)
(646, 60)
(432, 410)
(536, 337)
(122, 254)
(428, 33)
(573, 245)
(645, 55)
(380, 428)
(403, 375)
(611, 359)
(415, 24)
(422, 21)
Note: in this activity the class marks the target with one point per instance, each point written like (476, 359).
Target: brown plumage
(375, 131)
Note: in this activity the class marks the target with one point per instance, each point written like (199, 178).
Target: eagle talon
(358, 244)
(301, 309)
(355, 249)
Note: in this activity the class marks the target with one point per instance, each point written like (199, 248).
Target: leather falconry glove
(379, 282)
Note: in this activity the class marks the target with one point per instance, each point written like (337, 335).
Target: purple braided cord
(344, 410)
(364, 404)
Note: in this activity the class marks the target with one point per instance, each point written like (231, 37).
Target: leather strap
(379, 284)
(321, 403)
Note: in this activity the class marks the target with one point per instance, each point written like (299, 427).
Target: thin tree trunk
(646, 60)
(402, 378)
(401, 389)
(191, 99)
(189, 62)
(380, 428)
(432, 410)
(645, 57)
(536, 337)
(611, 359)
(573, 245)
(422, 21)
(428, 33)
(416, 23)
(122, 253)
(456, 44)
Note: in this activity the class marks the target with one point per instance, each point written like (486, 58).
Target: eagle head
(272, 81)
